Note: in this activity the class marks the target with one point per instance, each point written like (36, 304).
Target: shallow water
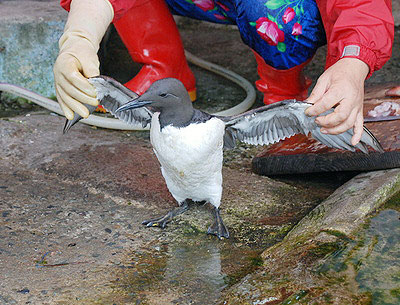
(371, 262)
(379, 258)
(192, 271)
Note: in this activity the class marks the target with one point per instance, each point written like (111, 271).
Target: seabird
(189, 143)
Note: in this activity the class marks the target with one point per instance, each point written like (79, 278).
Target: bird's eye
(163, 94)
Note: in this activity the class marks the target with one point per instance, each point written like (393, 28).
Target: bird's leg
(162, 221)
(218, 228)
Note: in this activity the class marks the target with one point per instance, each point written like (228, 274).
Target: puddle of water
(371, 263)
(191, 271)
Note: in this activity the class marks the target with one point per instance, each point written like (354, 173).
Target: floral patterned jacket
(362, 29)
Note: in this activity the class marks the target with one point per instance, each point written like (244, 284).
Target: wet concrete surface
(72, 206)
(71, 212)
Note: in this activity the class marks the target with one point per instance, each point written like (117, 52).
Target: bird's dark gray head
(169, 97)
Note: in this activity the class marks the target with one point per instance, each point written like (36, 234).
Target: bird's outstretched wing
(112, 95)
(272, 123)
(69, 123)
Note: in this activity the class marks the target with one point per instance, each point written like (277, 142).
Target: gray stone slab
(348, 207)
(29, 33)
(345, 251)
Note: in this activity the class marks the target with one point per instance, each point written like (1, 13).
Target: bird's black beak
(136, 103)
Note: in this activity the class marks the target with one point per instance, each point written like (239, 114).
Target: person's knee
(208, 10)
(284, 35)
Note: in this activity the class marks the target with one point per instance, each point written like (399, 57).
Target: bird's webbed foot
(162, 221)
(218, 228)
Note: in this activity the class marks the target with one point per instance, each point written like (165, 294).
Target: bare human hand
(341, 85)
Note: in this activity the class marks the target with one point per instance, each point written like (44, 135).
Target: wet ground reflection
(191, 271)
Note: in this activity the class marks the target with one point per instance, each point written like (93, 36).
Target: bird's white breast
(191, 159)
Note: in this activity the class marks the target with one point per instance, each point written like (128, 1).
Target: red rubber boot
(278, 85)
(149, 32)
(287, 155)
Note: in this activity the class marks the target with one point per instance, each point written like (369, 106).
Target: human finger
(328, 100)
(319, 90)
(358, 129)
(343, 126)
(69, 114)
(72, 74)
(76, 106)
(77, 94)
(340, 114)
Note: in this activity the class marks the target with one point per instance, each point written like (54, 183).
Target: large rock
(342, 252)
(29, 33)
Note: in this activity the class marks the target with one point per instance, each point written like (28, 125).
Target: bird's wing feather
(272, 123)
(112, 95)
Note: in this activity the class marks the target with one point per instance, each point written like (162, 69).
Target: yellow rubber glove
(77, 60)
